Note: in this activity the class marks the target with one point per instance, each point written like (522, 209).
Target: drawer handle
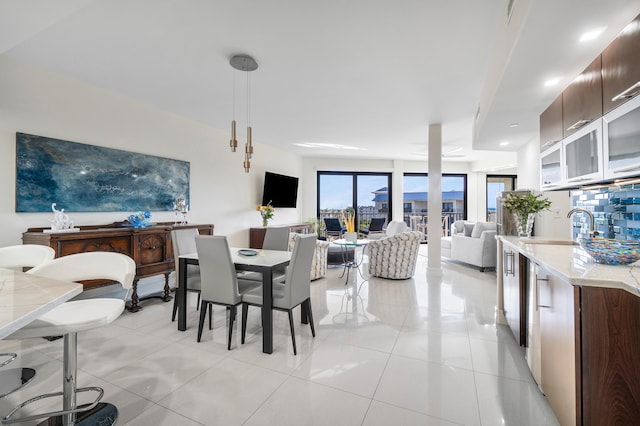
(152, 248)
(509, 268)
(538, 279)
(578, 124)
(635, 88)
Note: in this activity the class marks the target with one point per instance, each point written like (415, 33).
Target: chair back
(377, 223)
(184, 242)
(25, 256)
(92, 265)
(395, 226)
(276, 238)
(218, 279)
(298, 278)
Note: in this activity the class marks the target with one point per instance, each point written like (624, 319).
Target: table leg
(267, 312)
(135, 300)
(181, 294)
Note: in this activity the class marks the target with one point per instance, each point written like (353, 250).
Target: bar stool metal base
(13, 379)
(103, 414)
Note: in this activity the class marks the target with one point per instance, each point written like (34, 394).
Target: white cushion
(481, 227)
(72, 317)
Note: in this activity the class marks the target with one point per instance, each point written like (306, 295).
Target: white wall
(39, 102)
(529, 166)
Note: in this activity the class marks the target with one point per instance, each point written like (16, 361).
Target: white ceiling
(367, 74)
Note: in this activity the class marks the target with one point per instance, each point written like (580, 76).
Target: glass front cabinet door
(582, 154)
(621, 131)
(551, 168)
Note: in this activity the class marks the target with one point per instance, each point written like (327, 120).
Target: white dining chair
(70, 318)
(290, 291)
(18, 257)
(184, 242)
(275, 238)
(219, 282)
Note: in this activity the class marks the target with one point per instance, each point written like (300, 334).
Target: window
(367, 193)
(454, 198)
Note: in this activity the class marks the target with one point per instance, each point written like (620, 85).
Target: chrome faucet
(592, 222)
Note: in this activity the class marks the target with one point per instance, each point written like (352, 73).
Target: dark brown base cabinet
(610, 356)
(149, 247)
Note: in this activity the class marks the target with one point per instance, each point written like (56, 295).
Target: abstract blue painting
(87, 178)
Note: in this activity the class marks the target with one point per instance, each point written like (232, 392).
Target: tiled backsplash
(616, 210)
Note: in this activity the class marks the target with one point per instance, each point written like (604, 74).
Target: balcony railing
(364, 219)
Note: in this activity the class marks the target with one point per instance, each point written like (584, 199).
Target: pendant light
(243, 63)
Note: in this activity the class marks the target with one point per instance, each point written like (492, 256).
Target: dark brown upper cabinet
(621, 67)
(551, 130)
(582, 100)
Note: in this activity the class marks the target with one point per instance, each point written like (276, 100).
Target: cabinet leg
(167, 291)
(135, 306)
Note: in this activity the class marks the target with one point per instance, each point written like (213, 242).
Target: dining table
(261, 261)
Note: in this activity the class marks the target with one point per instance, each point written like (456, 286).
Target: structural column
(434, 203)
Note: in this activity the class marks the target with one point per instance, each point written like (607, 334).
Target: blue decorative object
(87, 178)
(139, 219)
(611, 252)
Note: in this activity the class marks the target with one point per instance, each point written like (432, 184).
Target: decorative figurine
(60, 221)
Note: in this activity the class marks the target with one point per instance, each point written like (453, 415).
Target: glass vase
(524, 224)
(265, 222)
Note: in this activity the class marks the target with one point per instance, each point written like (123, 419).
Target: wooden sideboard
(149, 247)
(256, 235)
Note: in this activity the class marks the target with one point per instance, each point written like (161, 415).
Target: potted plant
(525, 206)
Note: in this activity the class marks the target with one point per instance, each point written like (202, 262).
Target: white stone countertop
(574, 264)
(24, 297)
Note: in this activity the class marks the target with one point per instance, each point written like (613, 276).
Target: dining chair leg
(245, 311)
(198, 302)
(175, 307)
(203, 314)
(310, 316)
(293, 333)
(210, 316)
(232, 318)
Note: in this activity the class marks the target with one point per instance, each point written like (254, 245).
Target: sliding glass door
(367, 194)
(496, 184)
(416, 195)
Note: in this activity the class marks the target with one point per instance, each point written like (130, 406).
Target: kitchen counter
(573, 263)
(580, 324)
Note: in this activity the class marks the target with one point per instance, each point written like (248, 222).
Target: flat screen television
(280, 190)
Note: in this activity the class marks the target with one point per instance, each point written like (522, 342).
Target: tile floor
(424, 351)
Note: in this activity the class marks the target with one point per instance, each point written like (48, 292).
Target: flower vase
(524, 224)
(265, 222)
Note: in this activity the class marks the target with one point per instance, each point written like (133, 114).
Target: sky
(336, 190)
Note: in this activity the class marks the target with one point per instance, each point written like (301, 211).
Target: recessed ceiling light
(329, 145)
(591, 35)
(552, 82)
(513, 125)
(505, 143)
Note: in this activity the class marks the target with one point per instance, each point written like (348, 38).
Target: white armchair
(394, 257)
